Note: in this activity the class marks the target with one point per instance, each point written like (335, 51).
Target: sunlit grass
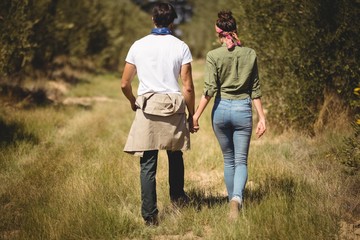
(64, 176)
(102, 85)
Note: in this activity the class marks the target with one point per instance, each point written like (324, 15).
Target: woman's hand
(260, 128)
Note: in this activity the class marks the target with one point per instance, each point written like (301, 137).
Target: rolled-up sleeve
(210, 83)
(256, 90)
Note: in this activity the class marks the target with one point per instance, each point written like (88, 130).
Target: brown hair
(163, 14)
(226, 21)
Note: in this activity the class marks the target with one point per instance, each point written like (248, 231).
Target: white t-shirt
(158, 59)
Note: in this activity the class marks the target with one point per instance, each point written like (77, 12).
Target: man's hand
(133, 106)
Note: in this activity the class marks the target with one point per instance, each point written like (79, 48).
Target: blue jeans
(232, 124)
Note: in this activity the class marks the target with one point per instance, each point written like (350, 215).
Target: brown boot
(234, 210)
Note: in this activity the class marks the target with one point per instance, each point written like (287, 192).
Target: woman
(232, 75)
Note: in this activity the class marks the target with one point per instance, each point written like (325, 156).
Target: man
(160, 122)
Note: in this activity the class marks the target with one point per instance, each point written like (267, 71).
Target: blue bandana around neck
(161, 31)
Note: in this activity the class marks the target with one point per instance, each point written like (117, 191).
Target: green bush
(36, 32)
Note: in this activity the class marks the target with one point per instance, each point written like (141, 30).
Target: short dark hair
(163, 14)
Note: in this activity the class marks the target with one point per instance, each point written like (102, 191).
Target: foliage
(15, 28)
(306, 50)
(34, 33)
(349, 152)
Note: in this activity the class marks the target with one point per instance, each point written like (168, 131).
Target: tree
(306, 51)
(34, 33)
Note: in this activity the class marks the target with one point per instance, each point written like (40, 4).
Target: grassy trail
(64, 176)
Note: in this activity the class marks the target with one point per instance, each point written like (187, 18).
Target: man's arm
(188, 88)
(188, 92)
(127, 77)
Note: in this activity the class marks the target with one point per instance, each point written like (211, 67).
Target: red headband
(231, 38)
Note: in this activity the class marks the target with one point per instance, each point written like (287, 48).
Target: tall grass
(64, 176)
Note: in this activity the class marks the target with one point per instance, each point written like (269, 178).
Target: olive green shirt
(232, 74)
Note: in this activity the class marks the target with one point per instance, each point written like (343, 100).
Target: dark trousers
(148, 166)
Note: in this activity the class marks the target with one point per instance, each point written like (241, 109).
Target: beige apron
(159, 124)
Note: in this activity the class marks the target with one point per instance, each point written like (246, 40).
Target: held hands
(193, 124)
(196, 126)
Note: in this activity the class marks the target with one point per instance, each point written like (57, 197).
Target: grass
(64, 176)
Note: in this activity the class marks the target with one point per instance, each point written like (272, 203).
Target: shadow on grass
(198, 199)
(272, 185)
(13, 131)
(29, 98)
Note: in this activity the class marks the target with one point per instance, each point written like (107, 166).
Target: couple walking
(160, 123)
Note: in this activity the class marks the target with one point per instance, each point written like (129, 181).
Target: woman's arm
(261, 126)
(202, 105)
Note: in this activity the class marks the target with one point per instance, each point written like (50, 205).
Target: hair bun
(225, 15)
